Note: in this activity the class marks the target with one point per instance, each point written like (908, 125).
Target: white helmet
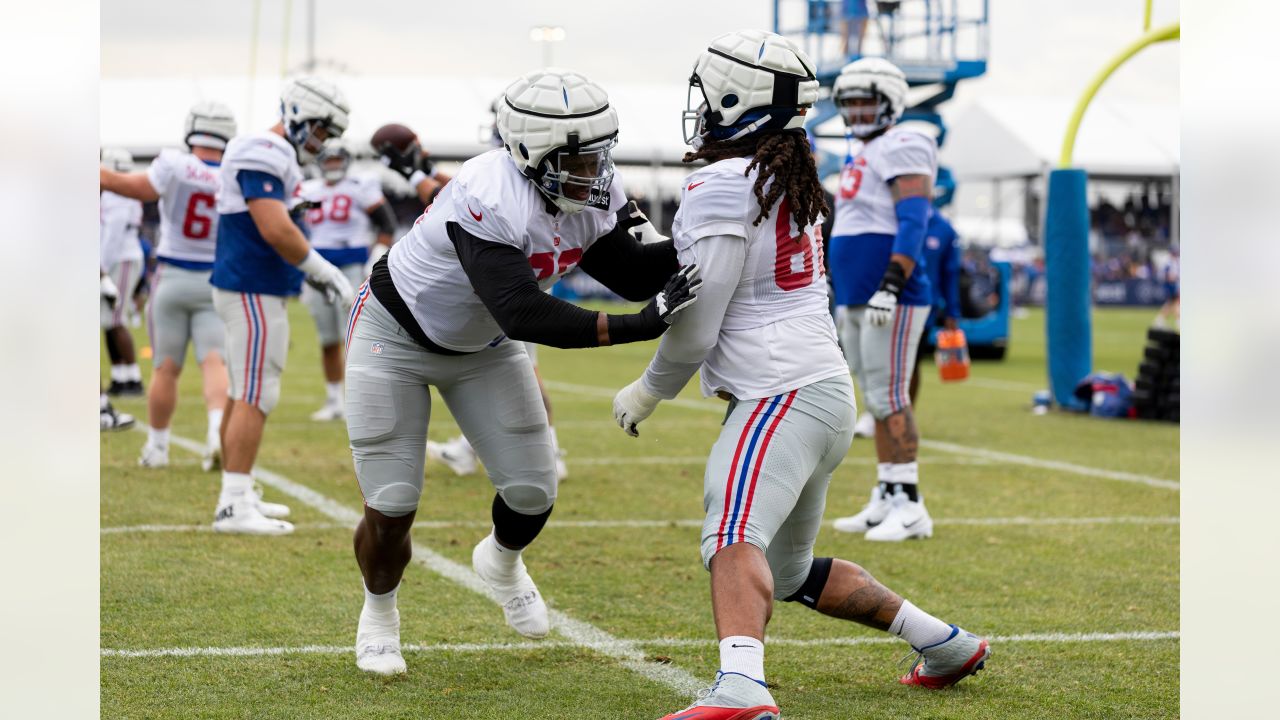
(209, 124)
(309, 104)
(873, 78)
(117, 159)
(334, 149)
(560, 130)
(748, 81)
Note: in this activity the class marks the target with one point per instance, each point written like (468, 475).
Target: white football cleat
(456, 453)
(153, 456)
(948, 662)
(270, 509)
(733, 696)
(378, 643)
(871, 515)
(211, 460)
(328, 413)
(242, 515)
(521, 602)
(906, 520)
(865, 426)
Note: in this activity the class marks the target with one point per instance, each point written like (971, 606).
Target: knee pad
(811, 589)
(393, 499)
(516, 529)
(270, 395)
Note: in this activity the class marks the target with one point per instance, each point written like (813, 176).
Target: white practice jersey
(342, 219)
(264, 152)
(864, 203)
(188, 189)
(120, 219)
(777, 334)
(490, 199)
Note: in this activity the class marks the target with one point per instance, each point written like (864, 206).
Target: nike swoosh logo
(913, 522)
(694, 185)
(738, 646)
(474, 214)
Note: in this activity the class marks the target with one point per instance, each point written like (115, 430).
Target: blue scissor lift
(937, 43)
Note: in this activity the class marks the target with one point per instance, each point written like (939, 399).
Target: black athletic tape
(811, 590)
(516, 530)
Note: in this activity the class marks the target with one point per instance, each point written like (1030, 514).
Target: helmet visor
(864, 111)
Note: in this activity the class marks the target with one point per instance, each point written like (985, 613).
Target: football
(394, 135)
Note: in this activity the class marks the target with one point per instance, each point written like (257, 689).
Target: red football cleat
(948, 662)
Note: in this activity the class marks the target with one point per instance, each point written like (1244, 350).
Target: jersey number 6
(194, 224)
(793, 263)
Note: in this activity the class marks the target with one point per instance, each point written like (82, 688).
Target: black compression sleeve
(383, 219)
(628, 267)
(501, 276)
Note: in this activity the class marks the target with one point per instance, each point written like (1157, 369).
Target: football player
(180, 308)
(343, 207)
(120, 257)
(942, 262)
(882, 290)
(400, 150)
(262, 257)
(443, 309)
(764, 340)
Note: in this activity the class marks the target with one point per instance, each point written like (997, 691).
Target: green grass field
(1071, 568)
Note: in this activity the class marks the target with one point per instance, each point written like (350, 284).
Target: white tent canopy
(1002, 136)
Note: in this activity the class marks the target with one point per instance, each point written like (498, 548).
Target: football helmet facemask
(560, 131)
(871, 95)
(313, 111)
(334, 161)
(747, 82)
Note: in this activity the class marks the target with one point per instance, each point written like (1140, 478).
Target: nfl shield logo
(377, 348)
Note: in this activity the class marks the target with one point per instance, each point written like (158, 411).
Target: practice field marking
(1059, 638)
(628, 654)
(685, 523)
(976, 452)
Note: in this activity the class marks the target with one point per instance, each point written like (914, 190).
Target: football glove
(632, 405)
(110, 293)
(634, 221)
(884, 302)
(680, 292)
(328, 279)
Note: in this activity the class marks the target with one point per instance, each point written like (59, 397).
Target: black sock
(911, 489)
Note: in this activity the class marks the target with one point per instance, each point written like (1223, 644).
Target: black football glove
(406, 163)
(632, 219)
(680, 292)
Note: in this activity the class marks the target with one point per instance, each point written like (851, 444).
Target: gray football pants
(492, 394)
(180, 312)
(767, 476)
(883, 357)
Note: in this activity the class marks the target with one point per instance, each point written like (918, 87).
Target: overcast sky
(1037, 46)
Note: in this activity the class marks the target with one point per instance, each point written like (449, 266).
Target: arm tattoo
(905, 186)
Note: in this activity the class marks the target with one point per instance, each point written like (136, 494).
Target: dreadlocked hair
(785, 157)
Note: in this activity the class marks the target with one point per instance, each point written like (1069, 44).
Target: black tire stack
(1157, 391)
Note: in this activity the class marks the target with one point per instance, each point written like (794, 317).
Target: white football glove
(634, 221)
(110, 293)
(327, 278)
(632, 405)
(375, 254)
(881, 306)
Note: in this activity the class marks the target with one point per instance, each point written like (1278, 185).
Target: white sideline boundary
(974, 452)
(582, 634)
(684, 523)
(183, 652)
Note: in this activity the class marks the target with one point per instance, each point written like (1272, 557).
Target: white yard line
(683, 523)
(974, 452)
(1059, 638)
(583, 634)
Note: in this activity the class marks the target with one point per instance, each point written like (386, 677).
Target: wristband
(416, 178)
